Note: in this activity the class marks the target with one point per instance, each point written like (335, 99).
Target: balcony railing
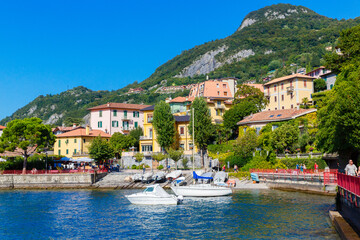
(219, 106)
(290, 89)
(266, 94)
(145, 138)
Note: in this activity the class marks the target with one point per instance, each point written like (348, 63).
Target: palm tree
(305, 102)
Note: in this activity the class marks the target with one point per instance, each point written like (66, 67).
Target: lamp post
(46, 158)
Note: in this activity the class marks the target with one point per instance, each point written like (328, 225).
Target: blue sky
(51, 46)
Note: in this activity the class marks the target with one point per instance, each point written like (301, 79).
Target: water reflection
(86, 214)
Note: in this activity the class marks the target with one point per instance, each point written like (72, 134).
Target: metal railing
(19, 172)
(290, 89)
(349, 183)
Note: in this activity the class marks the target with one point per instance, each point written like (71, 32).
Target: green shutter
(59, 143)
(115, 113)
(136, 124)
(59, 152)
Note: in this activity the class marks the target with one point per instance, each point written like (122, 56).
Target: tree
(164, 125)
(245, 145)
(251, 94)
(274, 64)
(305, 102)
(158, 156)
(319, 85)
(175, 155)
(237, 113)
(27, 135)
(285, 137)
(339, 120)
(138, 157)
(136, 133)
(100, 150)
(204, 130)
(120, 142)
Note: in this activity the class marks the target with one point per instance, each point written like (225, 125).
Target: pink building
(117, 117)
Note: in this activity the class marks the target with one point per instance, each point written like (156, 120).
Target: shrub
(239, 161)
(240, 175)
(185, 162)
(221, 148)
(133, 166)
(160, 167)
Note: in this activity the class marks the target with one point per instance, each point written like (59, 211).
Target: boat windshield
(149, 189)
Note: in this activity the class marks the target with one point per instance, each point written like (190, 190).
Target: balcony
(145, 138)
(219, 106)
(80, 154)
(267, 94)
(125, 118)
(290, 89)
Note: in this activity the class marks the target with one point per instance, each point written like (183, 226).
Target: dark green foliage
(285, 137)
(245, 146)
(70, 121)
(100, 150)
(221, 148)
(319, 85)
(164, 124)
(120, 142)
(236, 160)
(34, 161)
(136, 133)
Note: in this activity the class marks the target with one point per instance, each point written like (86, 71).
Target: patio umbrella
(2, 160)
(84, 159)
(65, 159)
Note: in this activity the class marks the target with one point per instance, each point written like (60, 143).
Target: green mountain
(280, 37)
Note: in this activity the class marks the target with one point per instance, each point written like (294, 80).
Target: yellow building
(74, 144)
(217, 108)
(289, 91)
(148, 143)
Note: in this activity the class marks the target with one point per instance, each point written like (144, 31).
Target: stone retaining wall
(49, 180)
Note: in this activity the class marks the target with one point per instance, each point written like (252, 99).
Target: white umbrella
(84, 159)
(2, 160)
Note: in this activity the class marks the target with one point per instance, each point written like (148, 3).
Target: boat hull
(152, 200)
(201, 191)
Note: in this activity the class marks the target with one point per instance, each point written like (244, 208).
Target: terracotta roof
(298, 75)
(275, 116)
(181, 99)
(82, 133)
(149, 108)
(2, 127)
(65, 129)
(119, 106)
(322, 67)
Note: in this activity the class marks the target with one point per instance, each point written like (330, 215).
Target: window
(274, 127)
(125, 125)
(275, 108)
(291, 95)
(125, 113)
(182, 130)
(59, 152)
(271, 116)
(99, 124)
(75, 151)
(331, 86)
(218, 103)
(304, 83)
(258, 130)
(217, 85)
(182, 146)
(100, 113)
(59, 144)
(136, 114)
(279, 115)
(282, 86)
(84, 141)
(67, 151)
(275, 88)
(244, 130)
(282, 107)
(275, 99)
(190, 146)
(225, 93)
(268, 89)
(149, 118)
(292, 106)
(146, 148)
(115, 113)
(218, 93)
(115, 124)
(75, 140)
(224, 85)
(291, 83)
(150, 132)
(136, 124)
(282, 97)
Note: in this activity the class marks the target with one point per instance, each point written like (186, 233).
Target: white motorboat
(201, 190)
(180, 181)
(159, 177)
(173, 175)
(220, 178)
(137, 177)
(146, 177)
(154, 195)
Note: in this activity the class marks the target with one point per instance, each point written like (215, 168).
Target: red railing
(293, 171)
(349, 183)
(53, 171)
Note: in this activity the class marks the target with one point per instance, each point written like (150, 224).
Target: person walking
(223, 168)
(316, 167)
(144, 168)
(301, 168)
(235, 168)
(351, 169)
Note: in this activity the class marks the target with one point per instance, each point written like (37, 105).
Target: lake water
(96, 214)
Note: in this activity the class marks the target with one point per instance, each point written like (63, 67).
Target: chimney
(74, 125)
(87, 131)
(108, 104)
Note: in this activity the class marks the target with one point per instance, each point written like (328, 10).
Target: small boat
(220, 178)
(137, 177)
(154, 195)
(206, 177)
(173, 175)
(159, 177)
(146, 177)
(180, 181)
(201, 190)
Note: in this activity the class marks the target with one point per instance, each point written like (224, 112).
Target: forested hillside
(280, 37)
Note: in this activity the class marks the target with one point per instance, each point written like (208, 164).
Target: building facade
(75, 143)
(116, 117)
(288, 92)
(1, 129)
